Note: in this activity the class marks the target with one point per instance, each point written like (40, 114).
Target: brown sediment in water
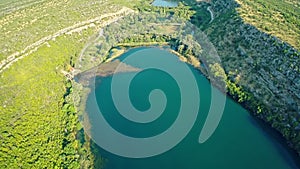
(104, 70)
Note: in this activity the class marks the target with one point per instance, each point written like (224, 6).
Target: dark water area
(240, 141)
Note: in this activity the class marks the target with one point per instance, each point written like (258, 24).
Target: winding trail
(212, 17)
(6, 63)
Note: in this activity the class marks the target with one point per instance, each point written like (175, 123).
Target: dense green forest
(39, 123)
(258, 42)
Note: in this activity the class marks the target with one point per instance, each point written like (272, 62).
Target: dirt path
(212, 17)
(6, 63)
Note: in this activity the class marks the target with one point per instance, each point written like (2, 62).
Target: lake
(238, 142)
(164, 3)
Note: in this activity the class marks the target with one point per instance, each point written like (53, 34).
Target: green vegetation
(28, 25)
(279, 18)
(262, 70)
(39, 121)
(181, 11)
(39, 127)
(244, 60)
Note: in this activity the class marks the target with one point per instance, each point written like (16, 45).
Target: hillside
(258, 42)
(279, 18)
(39, 39)
(264, 66)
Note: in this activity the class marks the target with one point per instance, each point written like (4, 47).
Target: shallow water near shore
(238, 142)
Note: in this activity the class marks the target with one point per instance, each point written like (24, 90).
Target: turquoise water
(238, 142)
(164, 3)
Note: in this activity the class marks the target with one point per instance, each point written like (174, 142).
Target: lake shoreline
(271, 132)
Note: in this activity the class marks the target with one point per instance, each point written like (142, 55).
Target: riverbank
(251, 88)
(263, 68)
(237, 124)
(235, 92)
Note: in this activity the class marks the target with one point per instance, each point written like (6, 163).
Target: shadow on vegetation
(261, 69)
(261, 65)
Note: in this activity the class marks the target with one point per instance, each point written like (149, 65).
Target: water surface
(239, 141)
(165, 3)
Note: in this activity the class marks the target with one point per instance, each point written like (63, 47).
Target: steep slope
(39, 125)
(264, 67)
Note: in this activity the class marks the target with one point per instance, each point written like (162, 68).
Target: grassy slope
(28, 25)
(262, 65)
(280, 18)
(37, 128)
(32, 122)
